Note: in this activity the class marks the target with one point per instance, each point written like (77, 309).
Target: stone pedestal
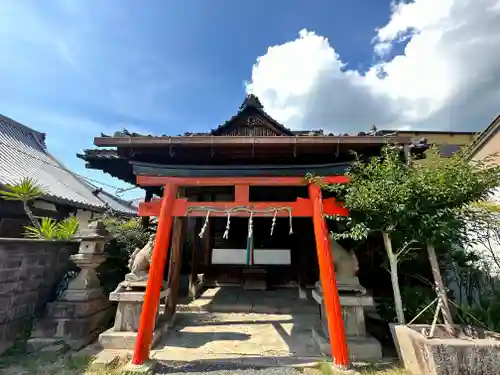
(81, 312)
(130, 298)
(361, 345)
(254, 279)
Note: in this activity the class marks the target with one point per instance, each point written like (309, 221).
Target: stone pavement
(240, 338)
(237, 300)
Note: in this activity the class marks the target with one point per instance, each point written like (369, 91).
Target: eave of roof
(194, 141)
(100, 153)
(116, 204)
(386, 131)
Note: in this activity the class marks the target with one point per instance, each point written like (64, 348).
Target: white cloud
(447, 78)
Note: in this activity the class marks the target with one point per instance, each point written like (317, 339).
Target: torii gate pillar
(172, 206)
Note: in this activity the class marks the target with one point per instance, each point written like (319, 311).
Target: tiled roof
(23, 154)
(253, 103)
(103, 154)
(294, 133)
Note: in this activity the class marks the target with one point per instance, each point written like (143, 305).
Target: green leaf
(67, 229)
(26, 190)
(47, 230)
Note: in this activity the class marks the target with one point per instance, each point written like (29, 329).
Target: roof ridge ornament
(251, 101)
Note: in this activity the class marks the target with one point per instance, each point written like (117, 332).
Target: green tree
(422, 201)
(378, 196)
(483, 229)
(25, 191)
(443, 188)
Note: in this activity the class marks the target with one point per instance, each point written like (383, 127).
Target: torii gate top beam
(181, 207)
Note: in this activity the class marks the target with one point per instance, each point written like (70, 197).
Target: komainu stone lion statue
(346, 268)
(139, 261)
(345, 262)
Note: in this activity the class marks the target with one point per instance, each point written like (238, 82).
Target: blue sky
(75, 68)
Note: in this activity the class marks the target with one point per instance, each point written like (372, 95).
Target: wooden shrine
(248, 171)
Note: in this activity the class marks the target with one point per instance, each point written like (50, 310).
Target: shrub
(128, 235)
(51, 229)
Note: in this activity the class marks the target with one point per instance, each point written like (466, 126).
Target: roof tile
(23, 154)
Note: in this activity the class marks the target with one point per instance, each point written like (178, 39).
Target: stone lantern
(82, 311)
(90, 255)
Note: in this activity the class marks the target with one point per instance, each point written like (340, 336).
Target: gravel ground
(222, 369)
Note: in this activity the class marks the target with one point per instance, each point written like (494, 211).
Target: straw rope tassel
(249, 239)
(204, 227)
(274, 222)
(228, 223)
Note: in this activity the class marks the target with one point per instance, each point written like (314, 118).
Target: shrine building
(234, 206)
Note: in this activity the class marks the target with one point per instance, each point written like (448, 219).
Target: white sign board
(261, 256)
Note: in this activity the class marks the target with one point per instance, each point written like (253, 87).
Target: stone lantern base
(74, 322)
(130, 298)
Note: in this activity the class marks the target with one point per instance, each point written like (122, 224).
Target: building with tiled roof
(24, 154)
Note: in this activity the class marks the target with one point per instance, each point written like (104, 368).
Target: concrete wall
(490, 147)
(438, 138)
(29, 271)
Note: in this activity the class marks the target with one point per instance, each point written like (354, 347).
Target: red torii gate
(170, 206)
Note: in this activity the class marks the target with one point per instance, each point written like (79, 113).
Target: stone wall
(29, 271)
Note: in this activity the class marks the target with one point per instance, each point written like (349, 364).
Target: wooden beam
(174, 272)
(155, 279)
(241, 193)
(301, 208)
(231, 181)
(200, 141)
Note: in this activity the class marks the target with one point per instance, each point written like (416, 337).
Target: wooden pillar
(155, 280)
(145, 220)
(241, 193)
(174, 273)
(193, 278)
(207, 244)
(331, 297)
(208, 237)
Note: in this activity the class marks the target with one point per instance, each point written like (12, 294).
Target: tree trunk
(393, 264)
(441, 290)
(30, 215)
